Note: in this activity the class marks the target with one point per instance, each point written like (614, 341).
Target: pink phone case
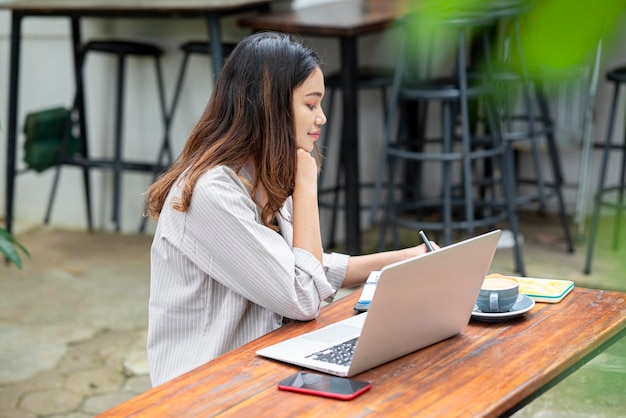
(326, 394)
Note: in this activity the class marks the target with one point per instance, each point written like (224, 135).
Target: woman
(237, 249)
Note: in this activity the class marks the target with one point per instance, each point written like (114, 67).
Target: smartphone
(324, 385)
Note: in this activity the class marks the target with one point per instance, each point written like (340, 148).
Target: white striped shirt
(220, 278)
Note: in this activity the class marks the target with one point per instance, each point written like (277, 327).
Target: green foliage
(9, 246)
(561, 34)
(558, 36)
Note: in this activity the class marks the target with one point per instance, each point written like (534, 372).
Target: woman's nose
(320, 120)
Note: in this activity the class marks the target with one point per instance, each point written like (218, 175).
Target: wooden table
(210, 10)
(491, 369)
(345, 20)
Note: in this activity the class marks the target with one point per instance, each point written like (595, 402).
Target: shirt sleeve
(335, 267)
(224, 237)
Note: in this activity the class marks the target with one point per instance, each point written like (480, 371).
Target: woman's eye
(312, 107)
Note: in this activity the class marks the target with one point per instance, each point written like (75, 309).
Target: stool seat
(441, 88)
(617, 75)
(120, 47)
(202, 47)
(370, 77)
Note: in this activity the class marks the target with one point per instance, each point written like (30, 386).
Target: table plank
(486, 371)
(126, 7)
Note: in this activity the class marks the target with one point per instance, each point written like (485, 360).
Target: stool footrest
(110, 164)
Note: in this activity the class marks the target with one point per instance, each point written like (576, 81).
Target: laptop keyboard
(340, 354)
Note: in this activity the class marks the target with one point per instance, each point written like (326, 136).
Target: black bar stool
(189, 48)
(531, 127)
(458, 152)
(370, 78)
(609, 196)
(122, 50)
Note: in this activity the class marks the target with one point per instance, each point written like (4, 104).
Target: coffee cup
(497, 294)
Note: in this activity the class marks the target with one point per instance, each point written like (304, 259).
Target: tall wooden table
(210, 10)
(491, 369)
(345, 20)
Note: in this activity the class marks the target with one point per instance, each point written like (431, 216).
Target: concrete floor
(73, 323)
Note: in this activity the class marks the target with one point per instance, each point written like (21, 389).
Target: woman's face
(307, 110)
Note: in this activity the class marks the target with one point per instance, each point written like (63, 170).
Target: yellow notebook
(542, 290)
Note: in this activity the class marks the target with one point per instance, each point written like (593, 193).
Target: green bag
(45, 131)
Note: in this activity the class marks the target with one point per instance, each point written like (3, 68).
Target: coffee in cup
(498, 294)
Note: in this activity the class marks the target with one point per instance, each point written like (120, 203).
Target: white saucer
(523, 304)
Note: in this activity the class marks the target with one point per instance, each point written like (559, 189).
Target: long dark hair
(248, 117)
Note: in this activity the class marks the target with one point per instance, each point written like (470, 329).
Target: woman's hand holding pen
(426, 247)
(420, 249)
(359, 267)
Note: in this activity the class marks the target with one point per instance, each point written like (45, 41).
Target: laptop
(418, 302)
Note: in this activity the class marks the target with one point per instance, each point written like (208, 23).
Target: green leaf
(558, 36)
(563, 34)
(10, 252)
(9, 246)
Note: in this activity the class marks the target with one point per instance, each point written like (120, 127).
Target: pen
(426, 241)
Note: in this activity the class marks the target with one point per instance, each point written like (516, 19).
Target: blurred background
(562, 40)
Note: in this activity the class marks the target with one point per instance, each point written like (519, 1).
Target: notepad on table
(543, 290)
(369, 288)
